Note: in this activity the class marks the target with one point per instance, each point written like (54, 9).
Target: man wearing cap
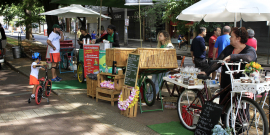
(54, 43)
(251, 40)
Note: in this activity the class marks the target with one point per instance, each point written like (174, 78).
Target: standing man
(198, 50)
(54, 41)
(93, 35)
(83, 35)
(4, 39)
(222, 41)
(251, 40)
(212, 41)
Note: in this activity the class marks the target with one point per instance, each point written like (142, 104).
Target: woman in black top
(112, 36)
(232, 53)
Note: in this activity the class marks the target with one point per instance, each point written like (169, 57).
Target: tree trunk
(83, 22)
(28, 24)
(39, 26)
(51, 20)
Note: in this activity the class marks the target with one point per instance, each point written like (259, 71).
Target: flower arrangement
(107, 84)
(253, 67)
(218, 130)
(130, 101)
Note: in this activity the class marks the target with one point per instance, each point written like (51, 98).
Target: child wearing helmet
(34, 72)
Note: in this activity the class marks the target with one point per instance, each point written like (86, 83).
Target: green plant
(253, 67)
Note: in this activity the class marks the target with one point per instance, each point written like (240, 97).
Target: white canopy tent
(227, 11)
(74, 11)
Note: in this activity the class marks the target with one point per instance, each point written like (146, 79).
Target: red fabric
(211, 46)
(252, 42)
(186, 116)
(33, 80)
(104, 33)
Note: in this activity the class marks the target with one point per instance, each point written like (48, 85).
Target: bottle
(106, 69)
(114, 68)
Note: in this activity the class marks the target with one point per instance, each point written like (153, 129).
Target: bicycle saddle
(202, 76)
(41, 79)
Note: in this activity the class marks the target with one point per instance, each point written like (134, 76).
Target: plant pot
(256, 75)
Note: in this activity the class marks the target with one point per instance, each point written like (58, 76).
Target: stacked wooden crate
(106, 93)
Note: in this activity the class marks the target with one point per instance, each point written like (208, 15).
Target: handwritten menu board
(91, 59)
(209, 117)
(132, 70)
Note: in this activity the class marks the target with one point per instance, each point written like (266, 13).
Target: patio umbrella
(74, 11)
(227, 11)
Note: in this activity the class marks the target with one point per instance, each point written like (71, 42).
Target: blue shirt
(93, 36)
(198, 47)
(222, 42)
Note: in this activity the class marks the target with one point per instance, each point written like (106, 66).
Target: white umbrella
(74, 11)
(227, 11)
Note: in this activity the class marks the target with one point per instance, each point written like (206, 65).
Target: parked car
(1, 55)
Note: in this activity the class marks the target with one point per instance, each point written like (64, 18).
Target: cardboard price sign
(91, 59)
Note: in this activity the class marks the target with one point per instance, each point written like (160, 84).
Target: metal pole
(234, 19)
(99, 31)
(140, 22)
(268, 49)
(125, 30)
(241, 22)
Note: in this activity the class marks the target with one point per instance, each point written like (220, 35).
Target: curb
(13, 68)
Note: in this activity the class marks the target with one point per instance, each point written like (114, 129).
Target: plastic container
(267, 79)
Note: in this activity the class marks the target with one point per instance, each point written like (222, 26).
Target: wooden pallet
(130, 112)
(107, 94)
(91, 87)
(117, 79)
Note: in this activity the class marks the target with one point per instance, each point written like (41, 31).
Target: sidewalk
(101, 111)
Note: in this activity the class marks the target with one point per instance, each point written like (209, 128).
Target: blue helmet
(36, 55)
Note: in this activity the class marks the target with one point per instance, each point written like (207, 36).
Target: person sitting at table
(164, 41)
(85, 35)
(111, 36)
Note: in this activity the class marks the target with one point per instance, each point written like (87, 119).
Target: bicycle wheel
(184, 47)
(80, 73)
(186, 112)
(65, 62)
(38, 95)
(250, 118)
(48, 88)
(149, 92)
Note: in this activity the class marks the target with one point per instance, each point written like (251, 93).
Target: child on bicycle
(34, 72)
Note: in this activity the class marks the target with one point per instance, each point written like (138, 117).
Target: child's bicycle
(44, 87)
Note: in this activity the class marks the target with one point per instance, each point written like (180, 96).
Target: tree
(9, 12)
(51, 20)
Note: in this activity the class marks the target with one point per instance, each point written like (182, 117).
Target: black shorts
(201, 63)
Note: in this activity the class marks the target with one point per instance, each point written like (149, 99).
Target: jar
(244, 79)
(191, 82)
(185, 80)
(267, 79)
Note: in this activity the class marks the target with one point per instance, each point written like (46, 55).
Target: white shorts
(4, 43)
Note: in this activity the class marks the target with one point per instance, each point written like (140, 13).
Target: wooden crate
(117, 79)
(107, 94)
(157, 58)
(120, 55)
(129, 112)
(91, 87)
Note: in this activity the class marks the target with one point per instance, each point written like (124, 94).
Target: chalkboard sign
(209, 117)
(132, 70)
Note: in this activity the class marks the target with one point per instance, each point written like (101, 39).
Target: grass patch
(12, 41)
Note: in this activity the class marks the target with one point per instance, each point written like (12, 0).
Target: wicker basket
(157, 58)
(120, 55)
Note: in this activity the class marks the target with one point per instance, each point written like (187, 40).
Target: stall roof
(74, 11)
